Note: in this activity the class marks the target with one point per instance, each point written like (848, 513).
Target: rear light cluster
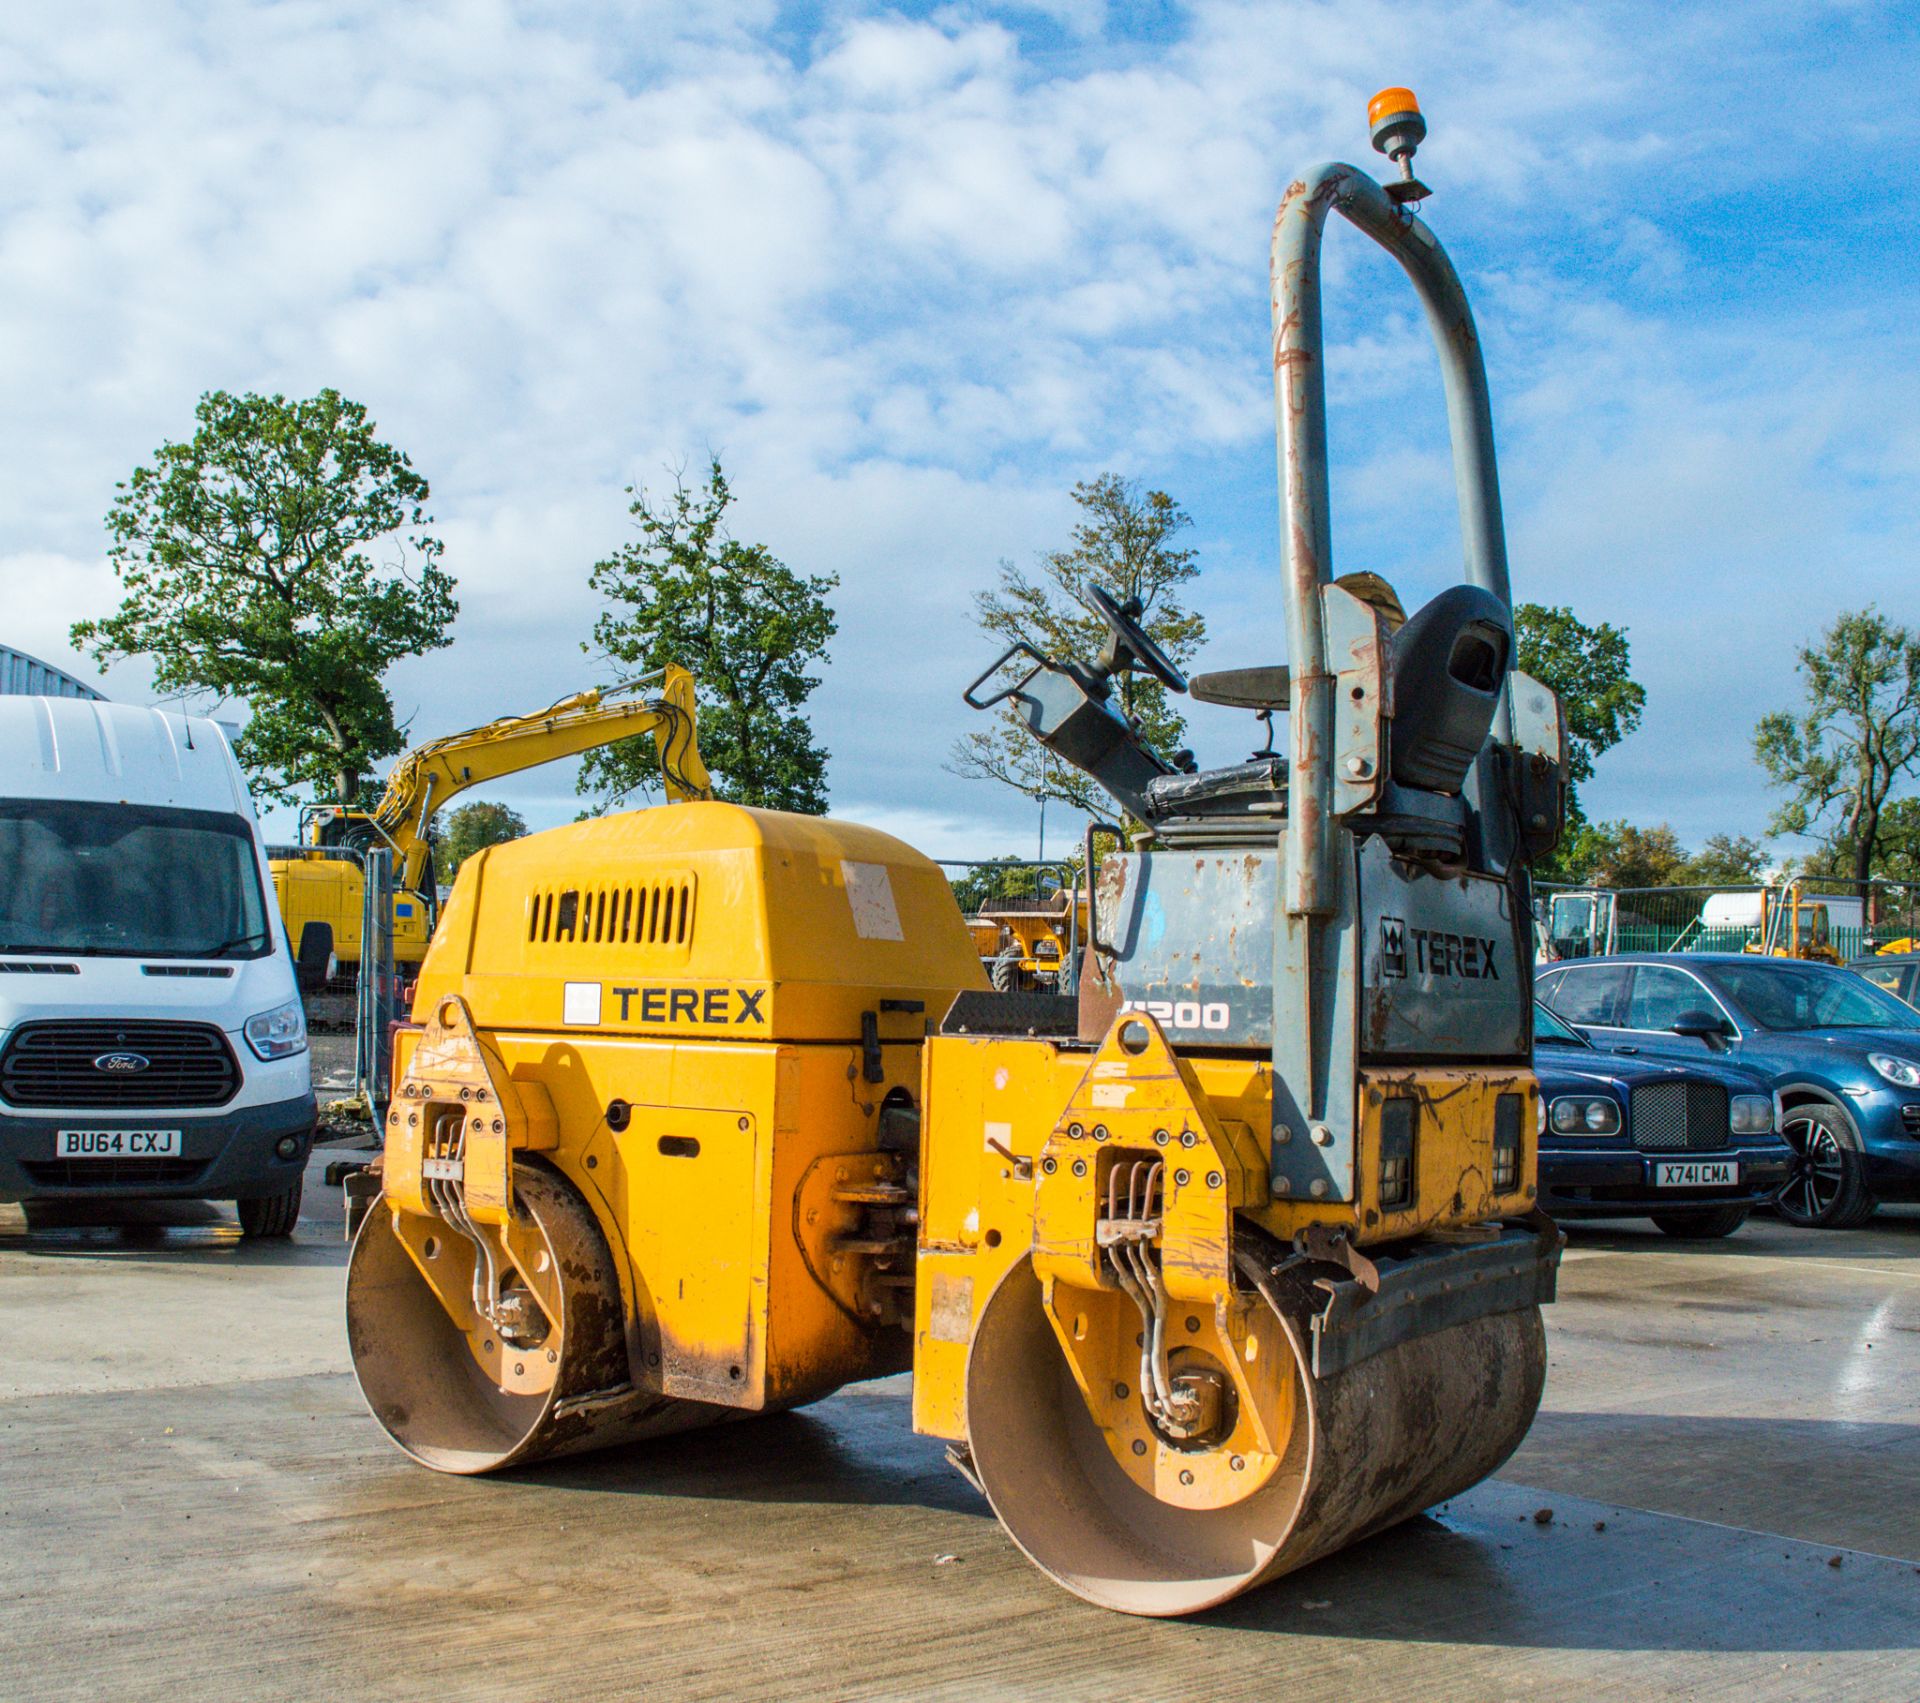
(1397, 1119)
(1508, 1121)
(1399, 1122)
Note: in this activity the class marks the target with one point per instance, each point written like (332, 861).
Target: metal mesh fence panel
(1834, 920)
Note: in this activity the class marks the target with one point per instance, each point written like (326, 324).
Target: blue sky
(912, 271)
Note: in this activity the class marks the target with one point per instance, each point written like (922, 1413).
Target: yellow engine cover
(708, 921)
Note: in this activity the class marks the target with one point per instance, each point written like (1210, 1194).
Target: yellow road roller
(1205, 1270)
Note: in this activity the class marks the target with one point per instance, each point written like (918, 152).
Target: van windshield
(94, 879)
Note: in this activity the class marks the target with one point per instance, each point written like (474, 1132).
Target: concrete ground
(193, 1502)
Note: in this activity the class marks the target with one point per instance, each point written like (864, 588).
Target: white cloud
(911, 277)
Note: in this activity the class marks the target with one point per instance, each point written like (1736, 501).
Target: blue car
(1842, 1056)
(1690, 1143)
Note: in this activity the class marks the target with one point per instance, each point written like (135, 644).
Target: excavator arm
(431, 776)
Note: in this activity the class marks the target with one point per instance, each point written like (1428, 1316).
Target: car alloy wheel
(1819, 1171)
(1826, 1188)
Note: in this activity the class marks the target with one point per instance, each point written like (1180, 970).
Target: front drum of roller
(1370, 1446)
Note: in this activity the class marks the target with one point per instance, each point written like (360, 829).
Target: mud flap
(1432, 1288)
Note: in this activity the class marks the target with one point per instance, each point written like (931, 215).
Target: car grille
(1910, 1118)
(1680, 1117)
(52, 1065)
(110, 1173)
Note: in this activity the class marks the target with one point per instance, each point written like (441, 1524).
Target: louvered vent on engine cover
(633, 913)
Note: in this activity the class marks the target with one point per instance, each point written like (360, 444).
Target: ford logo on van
(122, 1064)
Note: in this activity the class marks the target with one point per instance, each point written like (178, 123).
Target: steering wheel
(1130, 641)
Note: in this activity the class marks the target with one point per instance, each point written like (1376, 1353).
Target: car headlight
(1596, 1114)
(1751, 1114)
(1901, 1072)
(279, 1033)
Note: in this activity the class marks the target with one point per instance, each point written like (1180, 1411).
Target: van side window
(1588, 994)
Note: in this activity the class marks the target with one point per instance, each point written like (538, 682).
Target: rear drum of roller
(425, 1375)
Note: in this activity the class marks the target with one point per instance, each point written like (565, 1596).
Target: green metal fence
(1837, 920)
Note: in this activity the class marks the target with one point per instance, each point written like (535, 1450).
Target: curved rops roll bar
(1300, 401)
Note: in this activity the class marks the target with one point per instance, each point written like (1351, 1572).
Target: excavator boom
(311, 890)
(431, 776)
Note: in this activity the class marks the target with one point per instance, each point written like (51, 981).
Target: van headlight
(1901, 1072)
(1751, 1114)
(1575, 1114)
(279, 1033)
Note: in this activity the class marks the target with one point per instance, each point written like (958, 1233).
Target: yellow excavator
(316, 886)
(1222, 1263)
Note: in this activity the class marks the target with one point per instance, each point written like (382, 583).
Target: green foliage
(1011, 878)
(471, 828)
(1619, 855)
(743, 624)
(1125, 542)
(244, 555)
(1591, 670)
(1728, 860)
(1897, 856)
(1839, 759)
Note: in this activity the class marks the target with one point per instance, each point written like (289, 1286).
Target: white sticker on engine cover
(870, 893)
(581, 1003)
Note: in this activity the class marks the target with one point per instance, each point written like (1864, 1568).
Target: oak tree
(280, 555)
(744, 624)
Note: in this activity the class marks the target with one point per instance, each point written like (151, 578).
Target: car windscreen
(1778, 993)
(94, 879)
(1549, 1028)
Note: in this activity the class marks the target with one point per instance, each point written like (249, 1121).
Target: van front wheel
(271, 1216)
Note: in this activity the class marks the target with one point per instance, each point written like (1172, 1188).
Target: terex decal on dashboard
(704, 1005)
(1470, 957)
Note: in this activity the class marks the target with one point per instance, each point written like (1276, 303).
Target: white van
(151, 1038)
